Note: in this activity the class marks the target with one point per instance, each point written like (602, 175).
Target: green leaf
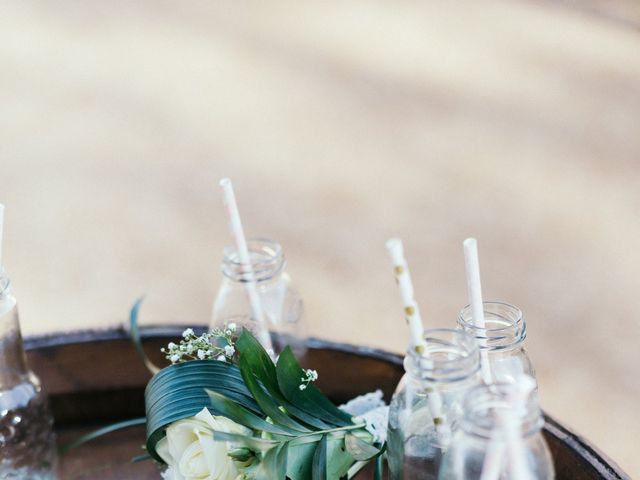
(266, 403)
(300, 459)
(178, 392)
(100, 432)
(377, 474)
(311, 399)
(255, 443)
(134, 333)
(242, 416)
(338, 459)
(359, 449)
(275, 462)
(319, 468)
(253, 353)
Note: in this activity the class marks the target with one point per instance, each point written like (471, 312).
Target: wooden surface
(342, 123)
(84, 399)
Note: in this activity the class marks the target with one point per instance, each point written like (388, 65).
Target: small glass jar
(27, 442)
(427, 404)
(281, 303)
(502, 339)
(481, 442)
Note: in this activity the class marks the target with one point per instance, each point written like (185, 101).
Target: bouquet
(225, 410)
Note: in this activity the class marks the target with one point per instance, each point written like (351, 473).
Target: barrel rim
(603, 464)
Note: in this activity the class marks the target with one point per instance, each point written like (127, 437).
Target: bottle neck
(449, 356)
(486, 406)
(504, 329)
(13, 364)
(267, 262)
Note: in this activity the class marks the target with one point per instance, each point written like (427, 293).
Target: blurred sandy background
(341, 124)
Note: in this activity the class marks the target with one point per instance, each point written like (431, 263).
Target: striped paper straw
(412, 315)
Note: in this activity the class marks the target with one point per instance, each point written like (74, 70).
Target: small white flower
(222, 358)
(175, 357)
(229, 350)
(303, 386)
(232, 327)
(172, 346)
(201, 354)
(188, 332)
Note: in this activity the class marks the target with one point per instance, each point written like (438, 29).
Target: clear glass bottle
(281, 303)
(480, 443)
(427, 404)
(27, 442)
(502, 339)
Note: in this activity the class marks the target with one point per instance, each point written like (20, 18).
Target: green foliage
(298, 433)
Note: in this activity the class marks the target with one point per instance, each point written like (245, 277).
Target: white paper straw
(474, 288)
(1, 229)
(512, 425)
(240, 241)
(412, 315)
(492, 466)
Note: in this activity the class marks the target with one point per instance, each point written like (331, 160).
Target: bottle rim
(267, 261)
(505, 327)
(450, 355)
(484, 403)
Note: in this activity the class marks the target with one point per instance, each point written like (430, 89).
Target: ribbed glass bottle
(27, 443)
(427, 405)
(281, 303)
(480, 449)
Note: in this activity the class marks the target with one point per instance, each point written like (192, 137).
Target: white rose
(191, 452)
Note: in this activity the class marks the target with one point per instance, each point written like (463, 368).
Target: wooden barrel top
(95, 378)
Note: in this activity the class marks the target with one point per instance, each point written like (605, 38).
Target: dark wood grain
(97, 377)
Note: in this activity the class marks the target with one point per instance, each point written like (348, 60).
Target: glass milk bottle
(502, 339)
(280, 301)
(480, 446)
(427, 404)
(27, 444)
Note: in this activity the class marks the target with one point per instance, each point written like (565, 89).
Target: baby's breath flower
(188, 333)
(219, 344)
(309, 376)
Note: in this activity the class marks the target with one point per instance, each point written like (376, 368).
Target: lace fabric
(371, 408)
